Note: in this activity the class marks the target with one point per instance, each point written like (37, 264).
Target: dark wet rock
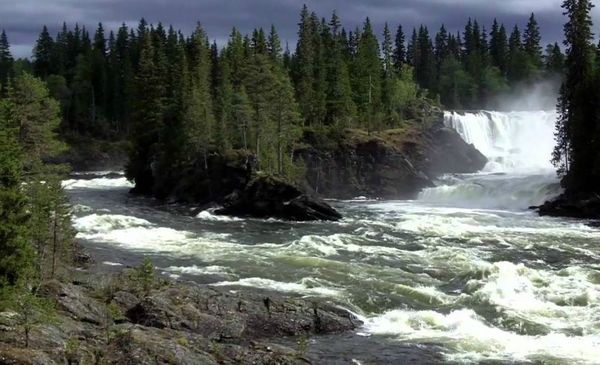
(583, 205)
(449, 154)
(393, 164)
(270, 197)
(206, 182)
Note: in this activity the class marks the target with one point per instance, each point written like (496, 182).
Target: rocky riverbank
(125, 320)
(582, 205)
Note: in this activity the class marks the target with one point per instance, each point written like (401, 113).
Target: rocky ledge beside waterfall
(580, 205)
(391, 164)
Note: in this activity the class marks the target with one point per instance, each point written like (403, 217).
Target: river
(466, 269)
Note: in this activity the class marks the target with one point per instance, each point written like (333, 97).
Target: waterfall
(515, 142)
(519, 173)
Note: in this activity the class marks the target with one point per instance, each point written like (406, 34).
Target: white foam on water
(200, 270)
(307, 286)
(208, 215)
(97, 173)
(336, 243)
(80, 208)
(101, 183)
(469, 338)
(109, 263)
(564, 303)
(563, 300)
(130, 232)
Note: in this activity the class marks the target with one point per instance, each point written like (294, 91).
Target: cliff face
(394, 164)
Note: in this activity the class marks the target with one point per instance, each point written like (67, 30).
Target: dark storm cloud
(22, 19)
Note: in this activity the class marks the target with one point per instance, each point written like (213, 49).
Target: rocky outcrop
(447, 153)
(342, 164)
(393, 164)
(583, 206)
(270, 197)
(170, 324)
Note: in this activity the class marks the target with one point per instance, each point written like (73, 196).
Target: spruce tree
(576, 153)
(16, 253)
(554, 60)
(499, 47)
(274, 45)
(341, 110)
(6, 63)
(389, 72)
(148, 118)
(400, 49)
(531, 43)
(367, 80)
(99, 77)
(199, 117)
(517, 59)
(43, 54)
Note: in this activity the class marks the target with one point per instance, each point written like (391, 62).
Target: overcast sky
(23, 19)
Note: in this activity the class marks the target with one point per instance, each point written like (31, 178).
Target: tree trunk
(279, 146)
(54, 244)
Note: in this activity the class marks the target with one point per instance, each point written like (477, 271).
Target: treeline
(577, 153)
(337, 75)
(180, 97)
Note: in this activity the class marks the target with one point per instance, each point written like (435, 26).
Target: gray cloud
(22, 19)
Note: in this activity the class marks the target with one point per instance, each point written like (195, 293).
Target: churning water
(466, 268)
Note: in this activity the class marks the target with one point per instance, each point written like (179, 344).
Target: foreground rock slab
(173, 323)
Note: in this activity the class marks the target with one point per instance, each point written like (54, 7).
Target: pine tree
(234, 55)
(148, 118)
(43, 54)
(6, 63)
(499, 47)
(554, 60)
(38, 117)
(400, 49)
(99, 77)
(531, 43)
(308, 77)
(367, 80)
(576, 153)
(412, 51)
(199, 117)
(517, 63)
(389, 72)
(274, 45)
(16, 254)
(425, 69)
(341, 110)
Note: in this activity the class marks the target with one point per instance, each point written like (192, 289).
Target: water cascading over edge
(519, 172)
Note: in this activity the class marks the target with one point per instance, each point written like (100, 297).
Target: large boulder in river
(271, 197)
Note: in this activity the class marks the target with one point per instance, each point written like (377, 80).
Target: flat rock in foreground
(173, 324)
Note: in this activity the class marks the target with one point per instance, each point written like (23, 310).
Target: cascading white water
(516, 142)
(519, 173)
